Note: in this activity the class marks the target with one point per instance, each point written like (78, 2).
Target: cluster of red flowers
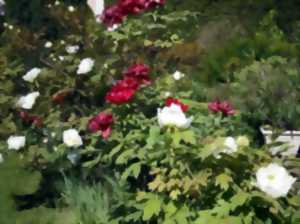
(170, 101)
(123, 90)
(31, 119)
(115, 13)
(102, 122)
(221, 107)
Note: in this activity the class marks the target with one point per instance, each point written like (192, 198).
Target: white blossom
(71, 8)
(32, 74)
(173, 116)
(274, 180)
(97, 6)
(230, 145)
(48, 44)
(16, 142)
(86, 65)
(178, 75)
(72, 49)
(72, 138)
(27, 102)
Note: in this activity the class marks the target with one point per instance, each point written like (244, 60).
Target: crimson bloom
(112, 15)
(223, 107)
(122, 91)
(31, 119)
(170, 101)
(102, 122)
(139, 72)
(133, 6)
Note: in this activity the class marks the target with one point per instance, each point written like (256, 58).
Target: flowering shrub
(84, 140)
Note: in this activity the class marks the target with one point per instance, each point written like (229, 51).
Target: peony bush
(102, 123)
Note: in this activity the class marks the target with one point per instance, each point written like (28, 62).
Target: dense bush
(128, 120)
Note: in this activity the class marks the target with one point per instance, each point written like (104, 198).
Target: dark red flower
(223, 107)
(154, 3)
(133, 6)
(24, 116)
(112, 15)
(170, 101)
(140, 72)
(59, 97)
(31, 119)
(122, 91)
(214, 106)
(226, 108)
(102, 122)
(93, 125)
(37, 121)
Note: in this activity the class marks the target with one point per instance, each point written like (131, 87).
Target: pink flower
(223, 107)
(139, 72)
(170, 101)
(102, 122)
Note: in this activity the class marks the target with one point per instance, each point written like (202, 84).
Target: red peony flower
(140, 72)
(37, 121)
(226, 108)
(102, 122)
(112, 15)
(154, 3)
(170, 101)
(223, 107)
(133, 6)
(31, 119)
(214, 106)
(122, 91)
(59, 97)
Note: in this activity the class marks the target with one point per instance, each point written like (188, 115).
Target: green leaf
(223, 180)
(132, 170)
(188, 136)
(152, 207)
(125, 156)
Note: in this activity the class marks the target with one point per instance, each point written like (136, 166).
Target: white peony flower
(173, 116)
(71, 8)
(1, 158)
(16, 142)
(167, 94)
(97, 6)
(61, 58)
(48, 44)
(274, 180)
(72, 138)
(86, 65)
(231, 145)
(72, 49)
(178, 75)
(32, 74)
(27, 102)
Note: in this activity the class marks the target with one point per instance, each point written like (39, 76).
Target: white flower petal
(16, 142)
(274, 180)
(27, 102)
(173, 116)
(72, 138)
(72, 49)
(86, 65)
(32, 74)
